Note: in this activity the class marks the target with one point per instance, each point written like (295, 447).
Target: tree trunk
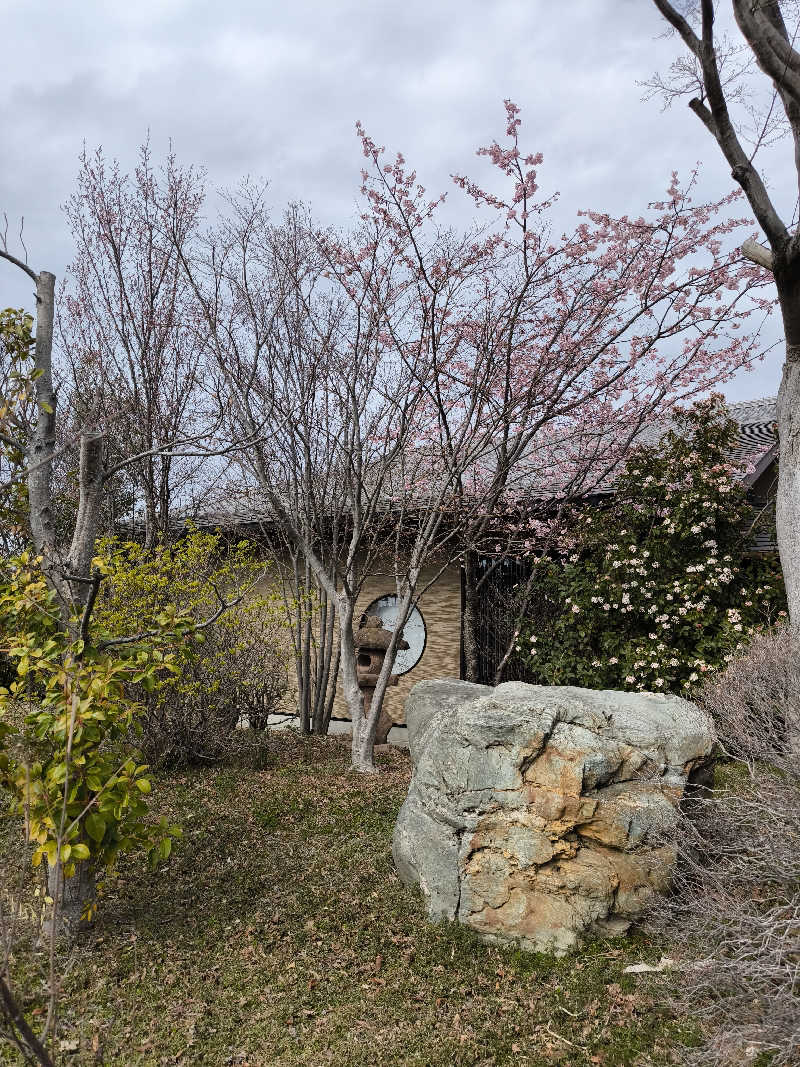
(331, 695)
(787, 504)
(385, 723)
(326, 678)
(42, 444)
(70, 896)
(91, 488)
(786, 271)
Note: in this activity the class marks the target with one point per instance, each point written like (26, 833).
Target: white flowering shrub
(658, 589)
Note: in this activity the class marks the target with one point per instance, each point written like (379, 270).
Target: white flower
(630, 678)
(606, 607)
(613, 660)
(659, 682)
(575, 609)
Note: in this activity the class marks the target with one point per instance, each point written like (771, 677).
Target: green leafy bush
(657, 589)
(16, 390)
(65, 723)
(237, 665)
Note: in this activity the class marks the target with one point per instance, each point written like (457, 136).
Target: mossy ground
(279, 934)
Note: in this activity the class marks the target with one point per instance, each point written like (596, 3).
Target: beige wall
(440, 607)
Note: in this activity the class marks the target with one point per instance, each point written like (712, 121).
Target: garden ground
(278, 934)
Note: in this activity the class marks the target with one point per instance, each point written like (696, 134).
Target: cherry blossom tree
(420, 391)
(716, 77)
(126, 325)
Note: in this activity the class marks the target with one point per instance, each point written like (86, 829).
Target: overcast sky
(273, 90)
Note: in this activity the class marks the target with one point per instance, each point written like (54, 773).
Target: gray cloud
(273, 90)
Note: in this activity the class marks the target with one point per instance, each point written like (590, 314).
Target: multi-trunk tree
(715, 76)
(127, 329)
(417, 392)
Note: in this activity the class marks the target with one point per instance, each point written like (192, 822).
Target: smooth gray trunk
(43, 440)
(787, 504)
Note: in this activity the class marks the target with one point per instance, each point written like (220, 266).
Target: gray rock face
(536, 813)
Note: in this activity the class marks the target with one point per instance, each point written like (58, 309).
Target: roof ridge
(754, 400)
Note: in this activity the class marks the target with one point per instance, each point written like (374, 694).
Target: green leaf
(95, 826)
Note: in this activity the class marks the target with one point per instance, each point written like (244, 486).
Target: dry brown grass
(737, 905)
(279, 934)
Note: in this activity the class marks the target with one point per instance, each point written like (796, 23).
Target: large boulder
(537, 813)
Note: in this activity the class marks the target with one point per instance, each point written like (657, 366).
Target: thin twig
(13, 1012)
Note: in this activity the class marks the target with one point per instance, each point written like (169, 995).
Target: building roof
(755, 449)
(757, 440)
(757, 443)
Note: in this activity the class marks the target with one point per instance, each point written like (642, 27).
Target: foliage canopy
(657, 588)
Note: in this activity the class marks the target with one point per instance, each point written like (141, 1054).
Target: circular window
(385, 607)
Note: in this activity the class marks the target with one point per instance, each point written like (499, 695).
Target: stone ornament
(371, 641)
(536, 814)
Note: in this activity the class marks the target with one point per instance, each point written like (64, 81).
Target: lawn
(278, 933)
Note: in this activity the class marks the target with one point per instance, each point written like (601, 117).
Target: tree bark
(384, 725)
(787, 504)
(43, 441)
(786, 270)
(70, 896)
(84, 537)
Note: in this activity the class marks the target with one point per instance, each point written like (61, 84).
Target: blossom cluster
(662, 589)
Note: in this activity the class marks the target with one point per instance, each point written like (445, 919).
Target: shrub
(737, 898)
(657, 589)
(236, 666)
(16, 392)
(65, 758)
